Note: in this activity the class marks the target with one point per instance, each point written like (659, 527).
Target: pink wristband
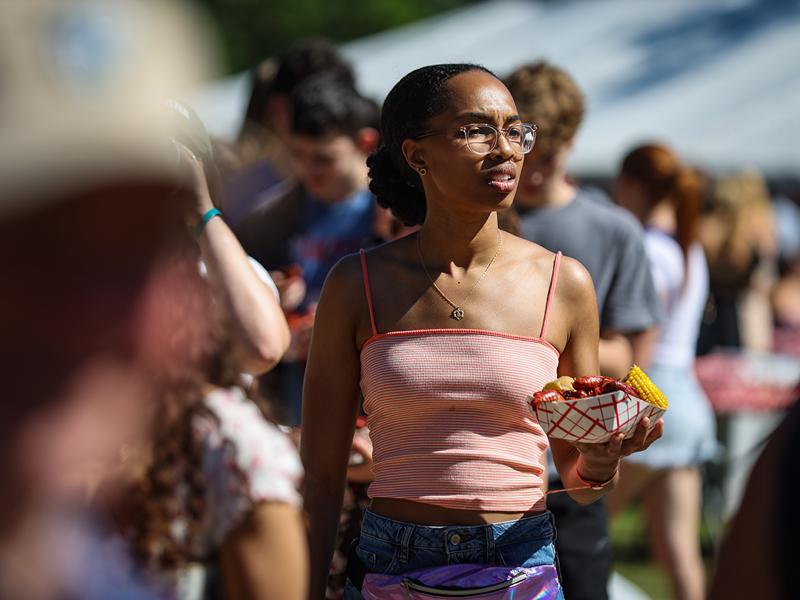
(597, 485)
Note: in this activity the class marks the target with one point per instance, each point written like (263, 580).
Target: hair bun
(394, 190)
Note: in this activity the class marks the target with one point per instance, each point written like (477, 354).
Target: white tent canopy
(719, 79)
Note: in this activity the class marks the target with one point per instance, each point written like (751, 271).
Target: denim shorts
(390, 547)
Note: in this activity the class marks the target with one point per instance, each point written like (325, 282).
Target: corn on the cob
(647, 390)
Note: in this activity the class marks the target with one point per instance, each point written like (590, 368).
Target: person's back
(219, 499)
(686, 287)
(739, 239)
(665, 195)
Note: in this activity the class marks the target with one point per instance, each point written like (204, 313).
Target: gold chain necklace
(458, 309)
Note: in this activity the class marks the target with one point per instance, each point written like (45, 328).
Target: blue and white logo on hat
(91, 45)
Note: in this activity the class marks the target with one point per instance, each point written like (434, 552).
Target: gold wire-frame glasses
(482, 138)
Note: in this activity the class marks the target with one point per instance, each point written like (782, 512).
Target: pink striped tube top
(449, 419)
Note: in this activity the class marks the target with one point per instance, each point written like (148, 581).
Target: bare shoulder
(392, 251)
(342, 305)
(343, 281)
(572, 274)
(391, 262)
(574, 281)
(526, 251)
(345, 286)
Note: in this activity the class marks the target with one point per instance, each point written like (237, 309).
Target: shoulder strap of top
(550, 293)
(367, 290)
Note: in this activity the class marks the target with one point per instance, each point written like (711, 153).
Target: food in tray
(594, 407)
(562, 384)
(645, 388)
(636, 383)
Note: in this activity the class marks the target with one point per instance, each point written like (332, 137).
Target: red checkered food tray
(596, 418)
(739, 380)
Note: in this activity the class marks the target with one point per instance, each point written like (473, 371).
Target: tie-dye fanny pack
(466, 581)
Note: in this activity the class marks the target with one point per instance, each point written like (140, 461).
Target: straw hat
(83, 84)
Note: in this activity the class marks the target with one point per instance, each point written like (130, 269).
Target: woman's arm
(265, 556)
(643, 344)
(261, 332)
(330, 406)
(578, 464)
(615, 353)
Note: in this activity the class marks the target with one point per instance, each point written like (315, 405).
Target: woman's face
(456, 175)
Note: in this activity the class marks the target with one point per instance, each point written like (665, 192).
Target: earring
(422, 171)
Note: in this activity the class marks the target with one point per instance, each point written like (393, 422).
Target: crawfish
(547, 396)
(592, 384)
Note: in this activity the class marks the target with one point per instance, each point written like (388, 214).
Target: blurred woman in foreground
(211, 502)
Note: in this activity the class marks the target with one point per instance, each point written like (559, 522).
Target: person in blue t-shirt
(264, 170)
(330, 213)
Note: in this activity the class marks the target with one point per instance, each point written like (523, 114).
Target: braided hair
(410, 105)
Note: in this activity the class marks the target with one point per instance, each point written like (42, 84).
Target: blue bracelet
(207, 216)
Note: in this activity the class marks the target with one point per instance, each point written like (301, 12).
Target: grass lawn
(646, 576)
(632, 557)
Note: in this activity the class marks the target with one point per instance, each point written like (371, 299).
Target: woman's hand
(301, 327)
(598, 463)
(619, 447)
(291, 286)
(195, 186)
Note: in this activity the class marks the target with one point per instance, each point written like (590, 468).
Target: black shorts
(582, 545)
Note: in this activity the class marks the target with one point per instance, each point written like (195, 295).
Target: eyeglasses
(482, 138)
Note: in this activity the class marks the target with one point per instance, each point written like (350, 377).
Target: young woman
(446, 332)
(210, 504)
(665, 196)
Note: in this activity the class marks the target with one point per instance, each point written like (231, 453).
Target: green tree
(252, 30)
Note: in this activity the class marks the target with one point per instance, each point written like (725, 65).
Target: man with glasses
(608, 241)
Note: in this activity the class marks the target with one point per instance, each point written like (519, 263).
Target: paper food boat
(595, 419)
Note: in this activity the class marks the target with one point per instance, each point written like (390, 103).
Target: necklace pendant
(458, 313)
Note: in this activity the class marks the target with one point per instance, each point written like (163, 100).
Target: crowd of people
(296, 365)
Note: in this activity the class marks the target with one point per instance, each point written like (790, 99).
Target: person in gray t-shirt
(609, 242)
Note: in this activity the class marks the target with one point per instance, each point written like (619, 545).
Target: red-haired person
(664, 195)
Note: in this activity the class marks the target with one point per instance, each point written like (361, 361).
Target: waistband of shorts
(539, 527)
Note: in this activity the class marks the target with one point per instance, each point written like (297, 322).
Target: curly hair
(549, 97)
(172, 483)
(410, 105)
